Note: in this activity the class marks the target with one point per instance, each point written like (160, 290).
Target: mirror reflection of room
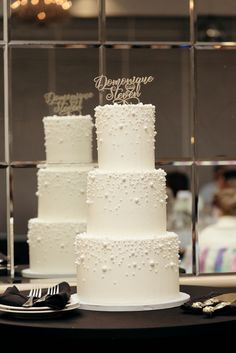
(216, 223)
(138, 40)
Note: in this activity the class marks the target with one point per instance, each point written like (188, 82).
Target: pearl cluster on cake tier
(62, 187)
(126, 203)
(126, 256)
(125, 137)
(68, 139)
(127, 271)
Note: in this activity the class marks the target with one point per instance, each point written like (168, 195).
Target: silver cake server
(218, 299)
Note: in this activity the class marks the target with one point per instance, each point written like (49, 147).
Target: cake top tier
(126, 136)
(68, 139)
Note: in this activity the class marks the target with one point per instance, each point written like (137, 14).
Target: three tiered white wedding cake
(62, 184)
(127, 259)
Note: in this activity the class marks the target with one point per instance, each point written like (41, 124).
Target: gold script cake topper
(122, 90)
(67, 104)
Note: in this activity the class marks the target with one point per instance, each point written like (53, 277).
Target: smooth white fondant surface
(127, 271)
(68, 139)
(126, 203)
(125, 136)
(62, 192)
(51, 245)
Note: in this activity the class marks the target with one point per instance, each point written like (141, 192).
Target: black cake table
(164, 325)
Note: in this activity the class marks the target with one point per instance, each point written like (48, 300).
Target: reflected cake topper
(67, 104)
(122, 90)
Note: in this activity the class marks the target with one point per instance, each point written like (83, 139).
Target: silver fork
(51, 291)
(34, 293)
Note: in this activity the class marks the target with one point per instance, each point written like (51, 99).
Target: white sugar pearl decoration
(151, 263)
(135, 191)
(104, 269)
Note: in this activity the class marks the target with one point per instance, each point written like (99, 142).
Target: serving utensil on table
(215, 303)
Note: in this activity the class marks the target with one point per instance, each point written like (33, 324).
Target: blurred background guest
(208, 190)
(176, 181)
(229, 178)
(217, 242)
(179, 207)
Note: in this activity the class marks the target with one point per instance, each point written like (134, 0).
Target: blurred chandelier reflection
(40, 10)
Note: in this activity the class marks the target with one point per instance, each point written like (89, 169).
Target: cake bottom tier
(51, 246)
(127, 271)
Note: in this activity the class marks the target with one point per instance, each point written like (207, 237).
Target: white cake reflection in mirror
(62, 187)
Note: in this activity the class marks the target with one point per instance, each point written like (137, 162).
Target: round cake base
(28, 273)
(179, 300)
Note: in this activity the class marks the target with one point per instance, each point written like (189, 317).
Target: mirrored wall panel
(216, 20)
(217, 217)
(25, 207)
(61, 46)
(36, 72)
(2, 141)
(216, 104)
(150, 20)
(3, 231)
(169, 92)
(1, 20)
(179, 207)
(40, 20)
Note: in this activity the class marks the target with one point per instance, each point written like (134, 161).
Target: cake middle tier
(62, 192)
(126, 203)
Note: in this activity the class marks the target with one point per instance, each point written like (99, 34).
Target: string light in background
(40, 10)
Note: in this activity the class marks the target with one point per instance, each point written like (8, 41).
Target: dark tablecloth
(168, 325)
